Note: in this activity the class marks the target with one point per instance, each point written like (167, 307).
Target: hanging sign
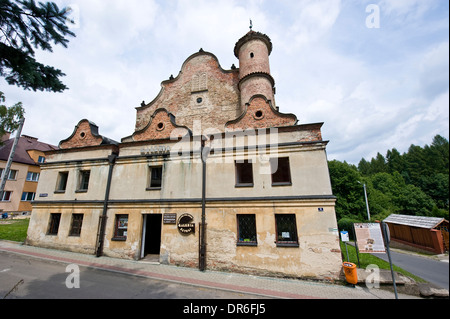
(186, 224)
(369, 238)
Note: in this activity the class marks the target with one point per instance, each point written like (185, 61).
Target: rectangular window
(27, 196)
(286, 228)
(246, 230)
(12, 175)
(54, 224)
(84, 181)
(41, 159)
(61, 183)
(121, 227)
(6, 196)
(32, 177)
(155, 177)
(244, 173)
(77, 222)
(281, 171)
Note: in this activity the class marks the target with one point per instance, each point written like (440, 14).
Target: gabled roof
(415, 221)
(25, 143)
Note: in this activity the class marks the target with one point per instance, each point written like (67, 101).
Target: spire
(251, 25)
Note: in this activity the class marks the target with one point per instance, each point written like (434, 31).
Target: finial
(251, 25)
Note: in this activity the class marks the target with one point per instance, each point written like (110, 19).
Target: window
(244, 173)
(32, 177)
(12, 174)
(27, 196)
(54, 224)
(77, 222)
(61, 184)
(84, 181)
(246, 230)
(41, 159)
(6, 196)
(281, 172)
(286, 228)
(121, 227)
(155, 177)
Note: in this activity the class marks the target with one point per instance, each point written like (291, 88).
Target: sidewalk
(262, 286)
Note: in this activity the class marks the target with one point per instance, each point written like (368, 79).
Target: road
(43, 279)
(433, 271)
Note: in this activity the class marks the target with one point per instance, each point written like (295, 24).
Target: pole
(11, 158)
(202, 254)
(386, 241)
(367, 203)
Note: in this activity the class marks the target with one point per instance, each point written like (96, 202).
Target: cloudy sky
(375, 72)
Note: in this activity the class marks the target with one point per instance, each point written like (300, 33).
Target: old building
(214, 176)
(23, 177)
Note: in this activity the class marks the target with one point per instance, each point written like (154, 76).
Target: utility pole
(11, 157)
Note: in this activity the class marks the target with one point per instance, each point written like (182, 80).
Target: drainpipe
(202, 253)
(101, 233)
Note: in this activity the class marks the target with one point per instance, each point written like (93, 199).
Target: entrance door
(151, 234)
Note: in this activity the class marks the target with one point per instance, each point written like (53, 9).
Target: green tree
(24, 27)
(9, 116)
(350, 195)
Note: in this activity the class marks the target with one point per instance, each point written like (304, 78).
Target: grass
(14, 230)
(368, 259)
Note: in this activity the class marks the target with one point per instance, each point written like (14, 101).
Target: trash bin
(351, 274)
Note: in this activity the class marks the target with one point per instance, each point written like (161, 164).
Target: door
(151, 234)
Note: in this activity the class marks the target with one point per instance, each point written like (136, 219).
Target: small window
(252, 55)
(77, 222)
(281, 172)
(6, 196)
(32, 177)
(12, 175)
(61, 184)
(41, 159)
(244, 173)
(27, 196)
(246, 230)
(286, 230)
(121, 227)
(84, 181)
(54, 224)
(155, 177)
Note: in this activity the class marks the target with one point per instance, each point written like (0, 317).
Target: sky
(375, 72)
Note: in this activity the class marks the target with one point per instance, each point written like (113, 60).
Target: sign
(186, 224)
(344, 236)
(369, 238)
(170, 218)
(156, 150)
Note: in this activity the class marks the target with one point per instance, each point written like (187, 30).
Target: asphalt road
(35, 278)
(434, 271)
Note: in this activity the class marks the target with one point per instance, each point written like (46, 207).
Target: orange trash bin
(351, 274)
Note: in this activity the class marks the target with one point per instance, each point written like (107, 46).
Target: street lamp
(367, 203)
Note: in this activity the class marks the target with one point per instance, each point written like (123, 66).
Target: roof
(415, 221)
(25, 143)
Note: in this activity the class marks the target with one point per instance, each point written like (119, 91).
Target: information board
(369, 238)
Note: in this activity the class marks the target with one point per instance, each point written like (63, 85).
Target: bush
(346, 223)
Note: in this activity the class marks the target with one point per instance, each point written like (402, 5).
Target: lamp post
(367, 202)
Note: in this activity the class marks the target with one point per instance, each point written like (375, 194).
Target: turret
(253, 52)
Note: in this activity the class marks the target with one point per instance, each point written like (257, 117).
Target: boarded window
(77, 222)
(244, 173)
(281, 171)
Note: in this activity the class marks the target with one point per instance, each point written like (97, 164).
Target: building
(22, 180)
(213, 176)
(419, 232)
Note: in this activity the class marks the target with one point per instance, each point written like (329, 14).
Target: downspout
(202, 252)
(102, 223)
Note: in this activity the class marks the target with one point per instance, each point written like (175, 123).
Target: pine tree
(24, 27)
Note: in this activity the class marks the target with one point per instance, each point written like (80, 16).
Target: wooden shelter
(428, 233)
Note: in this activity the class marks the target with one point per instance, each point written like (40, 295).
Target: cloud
(375, 89)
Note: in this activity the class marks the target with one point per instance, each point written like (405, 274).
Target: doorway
(151, 237)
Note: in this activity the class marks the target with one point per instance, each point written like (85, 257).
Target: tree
(25, 26)
(9, 116)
